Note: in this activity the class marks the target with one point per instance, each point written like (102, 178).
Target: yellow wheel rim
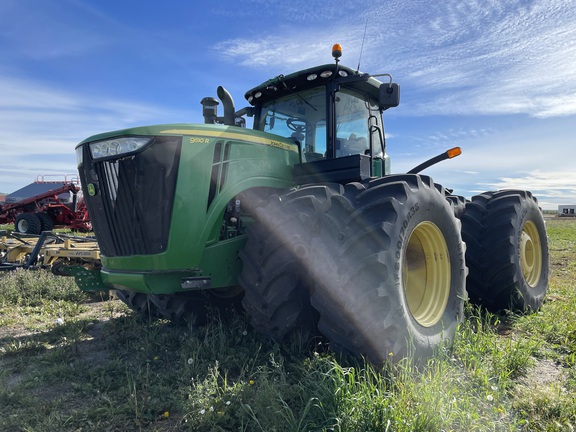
(426, 274)
(530, 254)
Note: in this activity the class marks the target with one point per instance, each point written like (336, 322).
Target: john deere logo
(91, 189)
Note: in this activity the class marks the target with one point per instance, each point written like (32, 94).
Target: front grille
(132, 207)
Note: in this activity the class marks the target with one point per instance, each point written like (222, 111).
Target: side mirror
(389, 96)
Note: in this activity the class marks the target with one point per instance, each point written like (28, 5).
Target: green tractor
(301, 219)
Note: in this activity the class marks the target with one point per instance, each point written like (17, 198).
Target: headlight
(117, 146)
(79, 154)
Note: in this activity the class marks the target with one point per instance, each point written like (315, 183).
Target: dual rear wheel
(380, 268)
(507, 251)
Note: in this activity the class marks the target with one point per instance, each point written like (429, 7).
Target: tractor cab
(334, 114)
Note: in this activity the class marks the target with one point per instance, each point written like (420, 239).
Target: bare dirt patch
(545, 373)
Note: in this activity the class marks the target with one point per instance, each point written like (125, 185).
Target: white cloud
(518, 60)
(277, 52)
(551, 188)
(552, 182)
(505, 152)
(41, 125)
(460, 57)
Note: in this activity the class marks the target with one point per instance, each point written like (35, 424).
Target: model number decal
(402, 237)
(409, 216)
(281, 145)
(205, 137)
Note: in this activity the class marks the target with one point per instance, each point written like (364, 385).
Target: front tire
(138, 302)
(393, 284)
(275, 275)
(507, 251)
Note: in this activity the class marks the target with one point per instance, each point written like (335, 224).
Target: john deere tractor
(302, 220)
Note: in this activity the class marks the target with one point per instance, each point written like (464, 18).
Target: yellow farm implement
(50, 250)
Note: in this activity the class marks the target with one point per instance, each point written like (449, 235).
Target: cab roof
(313, 77)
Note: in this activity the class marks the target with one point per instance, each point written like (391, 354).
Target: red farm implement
(47, 207)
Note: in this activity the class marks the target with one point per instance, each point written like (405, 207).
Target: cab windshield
(302, 117)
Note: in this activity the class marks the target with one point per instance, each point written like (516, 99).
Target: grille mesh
(132, 208)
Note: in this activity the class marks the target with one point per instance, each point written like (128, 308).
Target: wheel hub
(530, 254)
(23, 226)
(426, 274)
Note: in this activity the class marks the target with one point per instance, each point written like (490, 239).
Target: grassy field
(76, 362)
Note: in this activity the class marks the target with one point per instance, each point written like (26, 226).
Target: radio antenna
(362, 47)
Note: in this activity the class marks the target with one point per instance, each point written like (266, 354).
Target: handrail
(59, 178)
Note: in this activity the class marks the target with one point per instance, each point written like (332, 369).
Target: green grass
(70, 361)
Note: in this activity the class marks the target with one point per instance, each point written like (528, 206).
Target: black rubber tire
(191, 307)
(46, 222)
(458, 204)
(138, 302)
(28, 223)
(360, 249)
(507, 252)
(274, 277)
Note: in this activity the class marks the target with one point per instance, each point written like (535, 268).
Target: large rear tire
(507, 251)
(390, 270)
(275, 275)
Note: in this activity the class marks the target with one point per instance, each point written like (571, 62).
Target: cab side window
(355, 117)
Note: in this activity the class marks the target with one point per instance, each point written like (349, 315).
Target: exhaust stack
(228, 104)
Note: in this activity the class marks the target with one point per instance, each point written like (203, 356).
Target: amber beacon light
(336, 51)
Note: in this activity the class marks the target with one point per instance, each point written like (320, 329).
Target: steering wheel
(296, 124)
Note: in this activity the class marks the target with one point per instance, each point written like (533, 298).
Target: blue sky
(497, 78)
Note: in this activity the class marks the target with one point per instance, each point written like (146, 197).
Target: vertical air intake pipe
(209, 110)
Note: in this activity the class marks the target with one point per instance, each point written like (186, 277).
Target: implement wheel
(28, 223)
(507, 251)
(46, 222)
(391, 262)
